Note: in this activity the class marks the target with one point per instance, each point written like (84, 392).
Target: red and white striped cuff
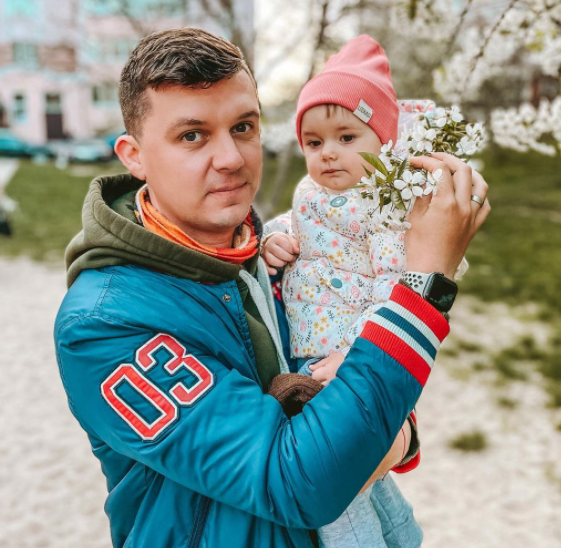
(410, 330)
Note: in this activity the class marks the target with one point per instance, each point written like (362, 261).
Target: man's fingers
(479, 189)
(319, 375)
(467, 181)
(318, 364)
(421, 205)
(314, 366)
(446, 185)
(481, 215)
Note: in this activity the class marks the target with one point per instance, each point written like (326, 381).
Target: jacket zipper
(201, 516)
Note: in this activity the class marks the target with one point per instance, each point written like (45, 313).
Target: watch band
(418, 281)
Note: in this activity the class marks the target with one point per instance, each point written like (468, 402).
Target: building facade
(60, 60)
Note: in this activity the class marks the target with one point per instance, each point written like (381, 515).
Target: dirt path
(52, 489)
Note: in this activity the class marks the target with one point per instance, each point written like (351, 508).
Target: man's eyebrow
(249, 114)
(183, 122)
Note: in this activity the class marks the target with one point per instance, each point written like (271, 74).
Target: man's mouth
(227, 189)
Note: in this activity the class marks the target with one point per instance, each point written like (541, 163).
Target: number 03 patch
(164, 405)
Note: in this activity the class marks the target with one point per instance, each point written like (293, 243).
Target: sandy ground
(52, 489)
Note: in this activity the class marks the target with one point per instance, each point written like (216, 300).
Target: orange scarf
(244, 244)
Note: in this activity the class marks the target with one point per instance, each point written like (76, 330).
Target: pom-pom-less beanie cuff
(367, 101)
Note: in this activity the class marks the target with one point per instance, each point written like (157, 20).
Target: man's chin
(231, 216)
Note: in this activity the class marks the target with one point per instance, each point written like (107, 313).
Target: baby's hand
(325, 370)
(278, 250)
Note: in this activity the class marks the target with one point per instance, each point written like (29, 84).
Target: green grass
(516, 257)
(50, 205)
(507, 403)
(516, 361)
(470, 442)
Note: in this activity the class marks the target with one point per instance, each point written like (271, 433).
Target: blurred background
(490, 419)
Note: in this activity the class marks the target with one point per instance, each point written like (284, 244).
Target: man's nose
(227, 156)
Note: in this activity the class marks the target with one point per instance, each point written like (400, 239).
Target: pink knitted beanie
(359, 79)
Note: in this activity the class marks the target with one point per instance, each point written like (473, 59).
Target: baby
(340, 265)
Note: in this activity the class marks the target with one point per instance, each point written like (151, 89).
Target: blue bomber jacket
(158, 362)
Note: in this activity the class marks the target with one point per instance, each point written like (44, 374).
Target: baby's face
(331, 144)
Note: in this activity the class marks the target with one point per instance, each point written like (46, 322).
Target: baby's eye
(347, 138)
(193, 136)
(314, 144)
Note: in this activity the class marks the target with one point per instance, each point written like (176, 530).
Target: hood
(112, 236)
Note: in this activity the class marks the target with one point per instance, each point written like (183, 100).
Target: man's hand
(279, 250)
(395, 455)
(325, 370)
(444, 224)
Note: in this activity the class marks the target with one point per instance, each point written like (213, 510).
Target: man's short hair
(187, 57)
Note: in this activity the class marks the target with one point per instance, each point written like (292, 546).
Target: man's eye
(244, 127)
(193, 136)
(347, 138)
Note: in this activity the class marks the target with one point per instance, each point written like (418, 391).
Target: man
(168, 340)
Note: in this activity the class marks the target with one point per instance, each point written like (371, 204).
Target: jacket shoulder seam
(106, 284)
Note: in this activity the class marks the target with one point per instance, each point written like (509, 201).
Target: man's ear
(128, 151)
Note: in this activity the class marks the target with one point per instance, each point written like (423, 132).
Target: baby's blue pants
(378, 518)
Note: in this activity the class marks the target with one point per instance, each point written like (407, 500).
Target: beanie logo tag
(363, 111)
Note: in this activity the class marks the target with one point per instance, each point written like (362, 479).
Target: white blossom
(467, 146)
(525, 128)
(433, 180)
(421, 138)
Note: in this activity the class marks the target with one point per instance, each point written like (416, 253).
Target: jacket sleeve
(193, 418)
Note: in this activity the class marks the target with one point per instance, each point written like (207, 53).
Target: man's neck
(218, 240)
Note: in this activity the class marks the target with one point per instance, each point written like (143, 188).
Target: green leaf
(401, 169)
(368, 173)
(373, 160)
(397, 201)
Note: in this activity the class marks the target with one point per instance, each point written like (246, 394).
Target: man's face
(200, 153)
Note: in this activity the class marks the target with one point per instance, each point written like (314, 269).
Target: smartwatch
(435, 288)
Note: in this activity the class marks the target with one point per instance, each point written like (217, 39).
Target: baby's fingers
(282, 253)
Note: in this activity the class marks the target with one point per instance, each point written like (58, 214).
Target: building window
(53, 103)
(25, 54)
(19, 112)
(105, 94)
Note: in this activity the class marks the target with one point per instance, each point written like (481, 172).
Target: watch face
(441, 292)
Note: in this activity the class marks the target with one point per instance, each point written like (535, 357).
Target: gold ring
(477, 199)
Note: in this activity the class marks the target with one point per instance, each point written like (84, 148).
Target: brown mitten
(293, 391)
